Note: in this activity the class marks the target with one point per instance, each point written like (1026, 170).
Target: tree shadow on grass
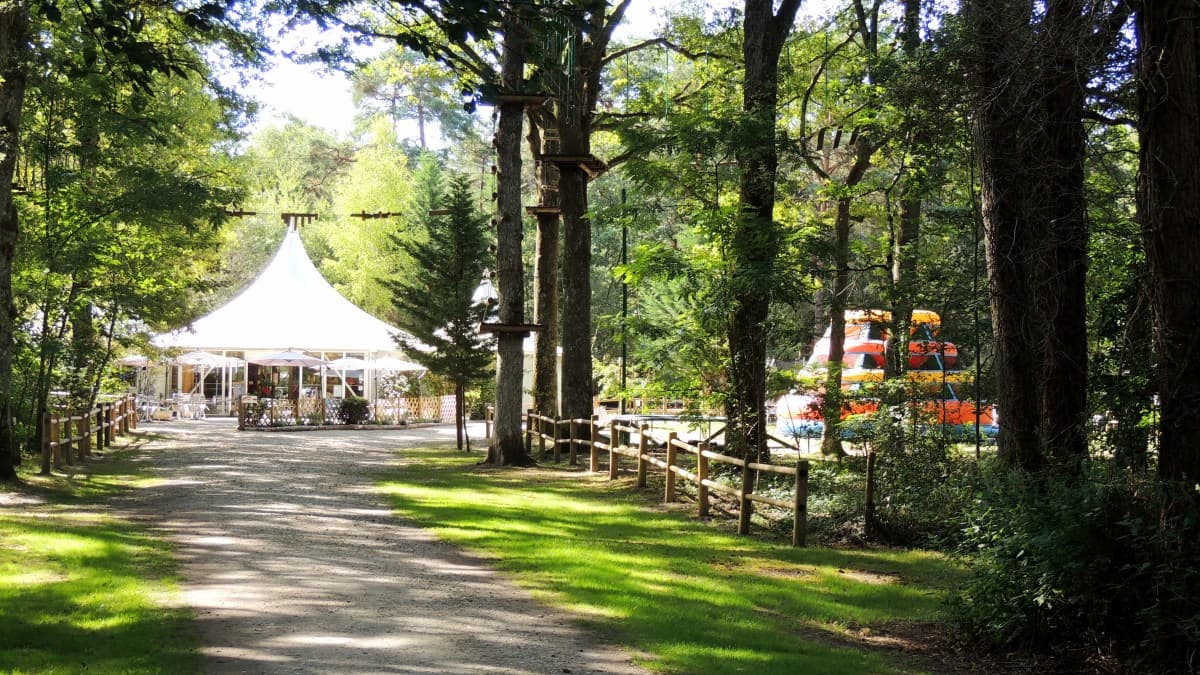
(698, 599)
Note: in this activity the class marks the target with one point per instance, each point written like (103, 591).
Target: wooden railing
(67, 438)
(254, 412)
(554, 434)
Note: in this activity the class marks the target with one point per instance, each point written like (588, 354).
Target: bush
(837, 499)
(1108, 565)
(923, 491)
(354, 410)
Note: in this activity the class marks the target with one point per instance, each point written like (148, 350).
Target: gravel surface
(293, 564)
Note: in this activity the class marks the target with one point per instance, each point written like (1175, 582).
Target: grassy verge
(81, 589)
(687, 596)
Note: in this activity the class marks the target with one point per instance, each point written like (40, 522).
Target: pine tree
(436, 304)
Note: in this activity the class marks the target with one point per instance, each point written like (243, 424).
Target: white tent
(289, 306)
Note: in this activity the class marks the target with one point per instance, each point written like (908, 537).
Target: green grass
(686, 596)
(82, 590)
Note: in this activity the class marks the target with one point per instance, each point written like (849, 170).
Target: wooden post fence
(643, 454)
(800, 524)
(704, 454)
(613, 443)
(669, 492)
(594, 459)
(67, 438)
(869, 521)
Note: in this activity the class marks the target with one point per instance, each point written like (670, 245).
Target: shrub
(1106, 565)
(923, 490)
(354, 410)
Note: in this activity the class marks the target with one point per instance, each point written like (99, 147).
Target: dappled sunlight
(703, 599)
(293, 562)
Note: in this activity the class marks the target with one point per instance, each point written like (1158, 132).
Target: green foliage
(923, 491)
(402, 85)
(1106, 566)
(119, 214)
(354, 410)
(361, 249)
(436, 306)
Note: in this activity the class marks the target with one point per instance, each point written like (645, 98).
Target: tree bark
(14, 45)
(507, 446)
(545, 276)
(576, 109)
(756, 235)
(459, 409)
(1169, 210)
(904, 241)
(577, 293)
(1030, 142)
(831, 443)
(831, 402)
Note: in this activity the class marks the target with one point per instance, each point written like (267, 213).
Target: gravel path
(294, 565)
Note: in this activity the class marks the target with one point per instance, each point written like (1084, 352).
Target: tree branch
(657, 42)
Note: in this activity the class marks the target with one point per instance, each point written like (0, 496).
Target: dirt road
(294, 565)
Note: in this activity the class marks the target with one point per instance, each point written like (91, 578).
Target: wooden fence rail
(554, 434)
(67, 438)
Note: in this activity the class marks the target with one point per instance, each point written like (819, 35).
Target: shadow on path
(294, 565)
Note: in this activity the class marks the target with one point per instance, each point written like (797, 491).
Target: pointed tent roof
(289, 306)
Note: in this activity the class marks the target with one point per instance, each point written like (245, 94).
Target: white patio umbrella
(398, 365)
(207, 361)
(348, 363)
(200, 359)
(289, 358)
(134, 360)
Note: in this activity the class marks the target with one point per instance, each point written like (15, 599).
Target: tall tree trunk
(576, 110)
(831, 443)
(756, 235)
(1030, 139)
(904, 241)
(831, 402)
(1063, 276)
(1169, 210)
(459, 409)
(545, 275)
(577, 292)
(545, 368)
(507, 445)
(14, 45)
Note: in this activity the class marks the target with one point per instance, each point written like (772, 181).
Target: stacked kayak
(932, 364)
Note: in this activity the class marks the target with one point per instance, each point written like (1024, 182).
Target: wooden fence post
(745, 506)
(643, 451)
(701, 476)
(46, 444)
(800, 508)
(66, 446)
(613, 442)
(132, 416)
(869, 521)
(574, 439)
(557, 440)
(529, 432)
(110, 430)
(593, 433)
(541, 435)
(101, 430)
(85, 430)
(669, 494)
